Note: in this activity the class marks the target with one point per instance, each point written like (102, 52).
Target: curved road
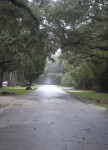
(51, 119)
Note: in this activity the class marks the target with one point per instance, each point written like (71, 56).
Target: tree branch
(98, 19)
(22, 5)
(5, 62)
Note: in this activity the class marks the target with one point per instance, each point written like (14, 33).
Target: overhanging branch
(98, 19)
(25, 7)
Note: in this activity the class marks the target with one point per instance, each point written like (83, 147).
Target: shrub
(66, 80)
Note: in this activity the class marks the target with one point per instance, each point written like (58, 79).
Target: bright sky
(31, 0)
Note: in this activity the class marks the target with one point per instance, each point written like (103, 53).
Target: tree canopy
(82, 29)
(78, 27)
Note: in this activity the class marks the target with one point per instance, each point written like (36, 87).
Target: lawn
(100, 99)
(18, 90)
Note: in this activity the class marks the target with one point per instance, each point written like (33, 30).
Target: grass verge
(65, 87)
(100, 99)
(18, 90)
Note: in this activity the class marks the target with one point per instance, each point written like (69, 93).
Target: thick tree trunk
(29, 86)
(30, 83)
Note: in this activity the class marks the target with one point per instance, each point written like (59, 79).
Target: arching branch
(25, 7)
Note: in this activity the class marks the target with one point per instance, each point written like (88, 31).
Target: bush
(66, 80)
(56, 77)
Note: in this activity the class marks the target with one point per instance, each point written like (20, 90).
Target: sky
(31, 0)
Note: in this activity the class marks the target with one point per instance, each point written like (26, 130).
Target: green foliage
(86, 73)
(32, 70)
(23, 45)
(56, 77)
(53, 72)
(67, 80)
(82, 27)
(39, 28)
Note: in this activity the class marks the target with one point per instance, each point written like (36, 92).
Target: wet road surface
(51, 119)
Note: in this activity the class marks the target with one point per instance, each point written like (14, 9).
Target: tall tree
(81, 28)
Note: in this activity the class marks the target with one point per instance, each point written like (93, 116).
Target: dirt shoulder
(9, 102)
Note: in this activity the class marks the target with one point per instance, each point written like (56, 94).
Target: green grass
(103, 105)
(17, 89)
(64, 86)
(90, 96)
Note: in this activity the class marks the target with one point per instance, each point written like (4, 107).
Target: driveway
(50, 119)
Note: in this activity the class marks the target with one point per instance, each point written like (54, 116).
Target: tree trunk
(104, 81)
(1, 77)
(29, 86)
(30, 83)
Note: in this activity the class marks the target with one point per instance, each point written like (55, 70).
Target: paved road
(51, 119)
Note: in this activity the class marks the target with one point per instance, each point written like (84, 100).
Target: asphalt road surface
(50, 119)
